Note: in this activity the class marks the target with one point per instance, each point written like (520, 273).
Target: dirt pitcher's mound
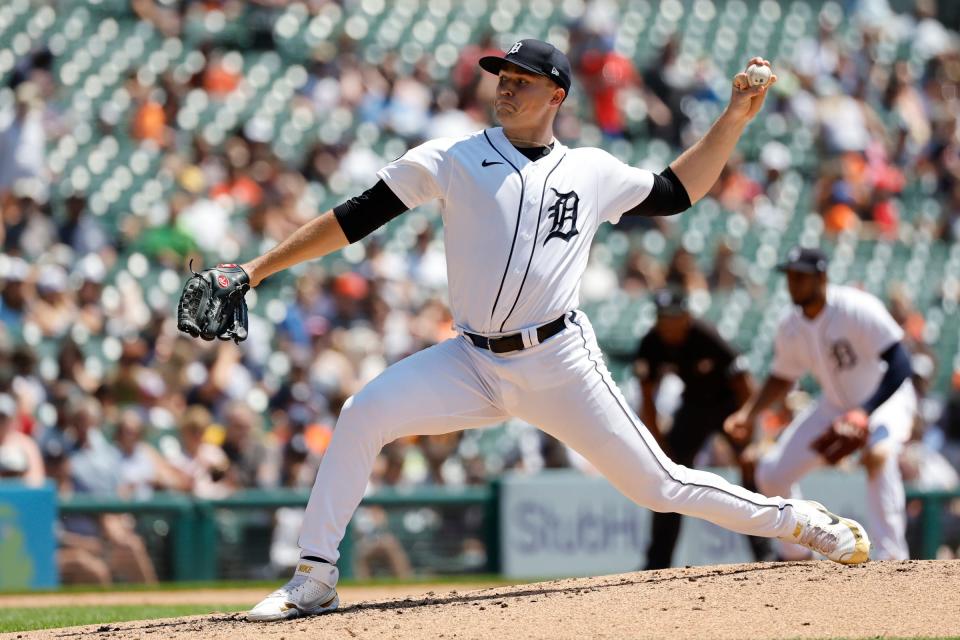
(774, 600)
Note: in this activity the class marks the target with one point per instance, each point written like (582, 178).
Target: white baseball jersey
(841, 347)
(517, 232)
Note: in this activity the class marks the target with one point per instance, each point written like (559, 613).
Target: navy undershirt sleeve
(667, 197)
(378, 205)
(364, 214)
(898, 370)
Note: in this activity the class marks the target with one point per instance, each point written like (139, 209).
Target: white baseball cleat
(839, 539)
(311, 590)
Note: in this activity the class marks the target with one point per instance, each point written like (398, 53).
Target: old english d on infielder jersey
(517, 232)
(841, 347)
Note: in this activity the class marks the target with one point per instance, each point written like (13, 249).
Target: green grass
(472, 578)
(33, 618)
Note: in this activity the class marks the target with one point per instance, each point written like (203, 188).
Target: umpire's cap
(671, 302)
(804, 260)
(536, 56)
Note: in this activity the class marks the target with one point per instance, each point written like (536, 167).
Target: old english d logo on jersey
(563, 213)
(844, 357)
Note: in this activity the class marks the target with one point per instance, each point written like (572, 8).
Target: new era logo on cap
(555, 72)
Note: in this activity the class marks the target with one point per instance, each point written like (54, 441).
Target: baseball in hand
(758, 75)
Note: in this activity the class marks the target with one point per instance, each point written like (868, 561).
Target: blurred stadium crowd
(137, 136)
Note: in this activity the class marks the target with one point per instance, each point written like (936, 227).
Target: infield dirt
(772, 600)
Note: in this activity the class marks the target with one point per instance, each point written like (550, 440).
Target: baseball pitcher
(519, 211)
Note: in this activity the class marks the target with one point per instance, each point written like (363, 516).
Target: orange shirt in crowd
(218, 81)
(243, 190)
(839, 217)
(149, 122)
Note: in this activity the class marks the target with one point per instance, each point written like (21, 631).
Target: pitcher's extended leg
(588, 412)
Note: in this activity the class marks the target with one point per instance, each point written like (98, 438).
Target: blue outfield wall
(27, 542)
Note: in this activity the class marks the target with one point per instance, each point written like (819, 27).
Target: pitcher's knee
(361, 418)
(661, 493)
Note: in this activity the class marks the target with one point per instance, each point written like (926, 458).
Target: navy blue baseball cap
(536, 56)
(671, 302)
(804, 260)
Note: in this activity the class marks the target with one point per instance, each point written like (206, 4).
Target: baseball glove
(212, 304)
(847, 434)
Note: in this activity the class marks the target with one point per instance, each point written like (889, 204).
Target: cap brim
(493, 64)
(783, 267)
(672, 311)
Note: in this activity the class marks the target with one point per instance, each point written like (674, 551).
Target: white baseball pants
(563, 387)
(890, 426)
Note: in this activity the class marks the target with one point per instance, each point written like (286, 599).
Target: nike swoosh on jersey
(487, 163)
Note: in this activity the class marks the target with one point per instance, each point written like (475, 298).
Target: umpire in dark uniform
(716, 384)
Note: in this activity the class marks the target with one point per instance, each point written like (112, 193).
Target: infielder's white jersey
(517, 232)
(841, 347)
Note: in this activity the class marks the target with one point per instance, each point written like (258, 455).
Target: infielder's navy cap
(804, 260)
(536, 56)
(670, 302)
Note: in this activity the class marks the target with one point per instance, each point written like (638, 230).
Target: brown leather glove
(847, 434)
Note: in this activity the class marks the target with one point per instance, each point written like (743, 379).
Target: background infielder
(519, 210)
(849, 342)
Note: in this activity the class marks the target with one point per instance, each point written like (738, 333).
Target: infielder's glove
(847, 434)
(212, 304)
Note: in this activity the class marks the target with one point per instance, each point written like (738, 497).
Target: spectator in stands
(90, 273)
(684, 273)
(253, 456)
(22, 140)
(79, 229)
(20, 457)
(14, 297)
(36, 232)
(80, 552)
(54, 310)
(94, 462)
(203, 462)
(71, 367)
(94, 469)
(847, 122)
(641, 273)
(142, 468)
(606, 76)
(727, 272)
(735, 190)
(669, 80)
(839, 215)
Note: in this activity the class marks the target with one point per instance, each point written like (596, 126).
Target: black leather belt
(514, 341)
